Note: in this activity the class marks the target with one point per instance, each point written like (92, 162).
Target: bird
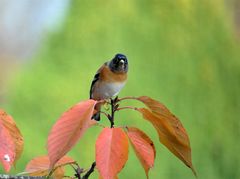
(108, 81)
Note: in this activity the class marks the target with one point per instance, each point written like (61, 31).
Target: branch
(89, 171)
(3, 176)
(112, 113)
(114, 107)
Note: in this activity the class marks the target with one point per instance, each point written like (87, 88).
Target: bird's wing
(96, 78)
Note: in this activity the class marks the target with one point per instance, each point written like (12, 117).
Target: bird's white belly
(110, 89)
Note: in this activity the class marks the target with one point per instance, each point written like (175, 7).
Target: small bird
(109, 80)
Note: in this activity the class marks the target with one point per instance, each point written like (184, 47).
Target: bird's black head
(119, 63)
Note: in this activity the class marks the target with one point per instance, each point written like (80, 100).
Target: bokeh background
(184, 53)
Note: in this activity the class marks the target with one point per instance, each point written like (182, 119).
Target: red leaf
(69, 129)
(111, 152)
(170, 130)
(11, 145)
(7, 149)
(40, 166)
(143, 147)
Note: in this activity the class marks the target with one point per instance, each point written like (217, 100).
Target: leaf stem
(115, 107)
(126, 107)
(51, 172)
(102, 112)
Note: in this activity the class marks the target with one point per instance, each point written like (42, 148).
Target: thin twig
(102, 112)
(51, 172)
(91, 170)
(5, 176)
(78, 170)
(111, 117)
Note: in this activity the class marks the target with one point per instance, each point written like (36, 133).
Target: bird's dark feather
(95, 79)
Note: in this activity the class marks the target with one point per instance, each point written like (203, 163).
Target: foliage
(182, 52)
(11, 145)
(111, 153)
(143, 147)
(69, 129)
(40, 166)
(112, 144)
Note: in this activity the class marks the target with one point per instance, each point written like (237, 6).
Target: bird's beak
(121, 62)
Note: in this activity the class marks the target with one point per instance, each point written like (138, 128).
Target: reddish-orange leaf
(111, 152)
(11, 145)
(173, 123)
(7, 148)
(143, 147)
(40, 166)
(170, 130)
(69, 129)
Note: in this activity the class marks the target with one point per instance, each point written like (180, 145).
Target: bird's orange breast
(108, 76)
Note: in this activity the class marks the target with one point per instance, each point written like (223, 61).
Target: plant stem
(78, 171)
(102, 112)
(114, 107)
(91, 170)
(112, 113)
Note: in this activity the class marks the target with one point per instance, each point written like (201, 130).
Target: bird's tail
(96, 116)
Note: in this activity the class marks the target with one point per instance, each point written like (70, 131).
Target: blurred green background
(183, 53)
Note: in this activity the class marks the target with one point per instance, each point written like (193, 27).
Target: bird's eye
(115, 61)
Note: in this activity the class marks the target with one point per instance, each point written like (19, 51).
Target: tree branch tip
(90, 171)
